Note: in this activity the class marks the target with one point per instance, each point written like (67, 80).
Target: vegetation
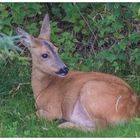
(90, 37)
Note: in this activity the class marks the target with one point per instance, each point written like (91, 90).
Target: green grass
(17, 111)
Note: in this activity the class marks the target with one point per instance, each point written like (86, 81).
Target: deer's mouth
(62, 72)
(61, 75)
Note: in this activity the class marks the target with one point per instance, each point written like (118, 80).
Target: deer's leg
(76, 126)
(79, 119)
(107, 106)
(45, 115)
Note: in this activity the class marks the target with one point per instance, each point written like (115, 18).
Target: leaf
(139, 12)
(134, 37)
(122, 56)
(106, 55)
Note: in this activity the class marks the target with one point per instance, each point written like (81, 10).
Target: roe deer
(86, 100)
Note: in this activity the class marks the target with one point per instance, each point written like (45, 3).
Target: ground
(17, 111)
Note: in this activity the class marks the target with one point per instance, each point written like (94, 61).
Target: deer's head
(44, 53)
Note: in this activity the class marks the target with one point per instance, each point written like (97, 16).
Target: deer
(84, 100)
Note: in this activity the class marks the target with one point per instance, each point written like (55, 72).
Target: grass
(17, 111)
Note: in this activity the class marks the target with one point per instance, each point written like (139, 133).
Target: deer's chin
(61, 75)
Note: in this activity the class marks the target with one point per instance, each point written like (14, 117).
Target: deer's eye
(45, 55)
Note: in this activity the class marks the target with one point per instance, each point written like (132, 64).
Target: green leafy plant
(8, 49)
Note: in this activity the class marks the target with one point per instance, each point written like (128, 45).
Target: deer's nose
(63, 71)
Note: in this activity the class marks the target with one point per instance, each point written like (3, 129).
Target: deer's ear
(45, 29)
(25, 38)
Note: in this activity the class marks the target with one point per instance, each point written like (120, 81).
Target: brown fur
(104, 98)
(62, 93)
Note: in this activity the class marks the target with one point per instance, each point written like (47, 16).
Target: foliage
(8, 49)
(106, 34)
(20, 14)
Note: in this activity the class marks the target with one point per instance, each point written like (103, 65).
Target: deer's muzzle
(62, 72)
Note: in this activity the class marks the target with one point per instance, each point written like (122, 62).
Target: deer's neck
(40, 81)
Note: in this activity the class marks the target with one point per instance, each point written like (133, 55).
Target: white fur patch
(117, 102)
(80, 117)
